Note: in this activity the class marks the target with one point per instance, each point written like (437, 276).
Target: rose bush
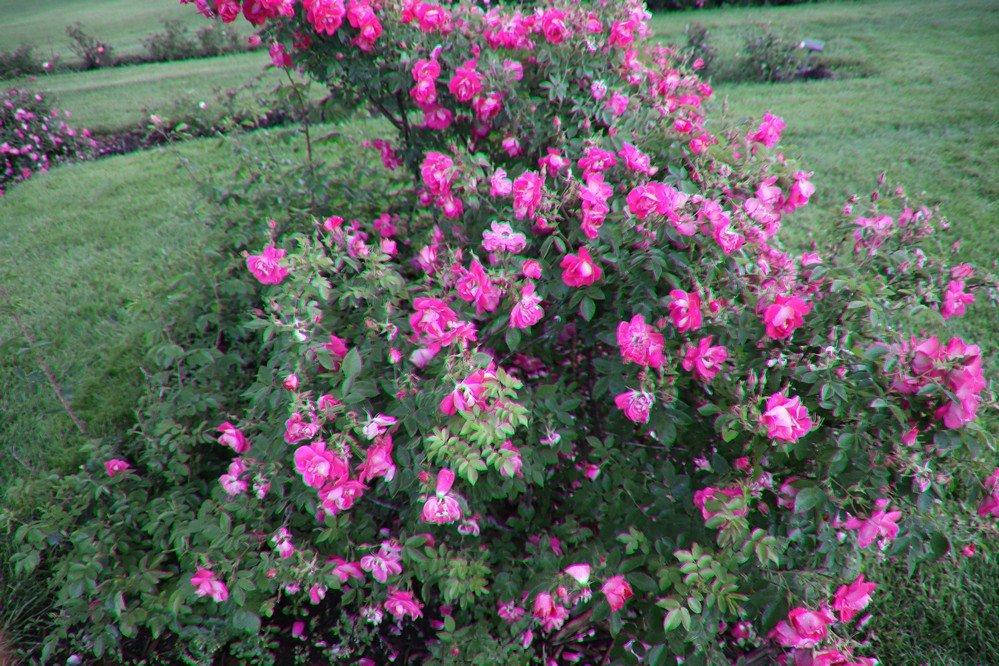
(547, 389)
(34, 136)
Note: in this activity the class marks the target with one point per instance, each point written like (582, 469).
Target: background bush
(34, 136)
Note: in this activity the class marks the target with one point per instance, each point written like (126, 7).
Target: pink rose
(617, 590)
(401, 603)
(704, 360)
(206, 584)
(685, 310)
(266, 267)
(443, 507)
(640, 343)
(636, 405)
(803, 628)
(784, 316)
(116, 466)
(785, 419)
(580, 269)
(853, 598)
(233, 437)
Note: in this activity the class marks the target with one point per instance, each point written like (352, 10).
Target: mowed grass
(926, 113)
(121, 23)
(114, 98)
(88, 251)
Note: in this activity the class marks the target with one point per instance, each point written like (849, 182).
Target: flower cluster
(34, 136)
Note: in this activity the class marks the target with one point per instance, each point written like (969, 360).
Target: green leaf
(808, 498)
(352, 364)
(587, 308)
(246, 620)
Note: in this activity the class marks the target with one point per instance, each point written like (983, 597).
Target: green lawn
(121, 23)
(118, 97)
(927, 114)
(88, 249)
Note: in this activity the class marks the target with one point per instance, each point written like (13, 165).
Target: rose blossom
(704, 360)
(853, 598)
(207, 584)
(785, 419)
(617, 590)
(640, 343)
(265, 266)
(580, 269)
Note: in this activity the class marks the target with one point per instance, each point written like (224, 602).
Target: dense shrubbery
(545, 389)
(668, 5)
(34, 136)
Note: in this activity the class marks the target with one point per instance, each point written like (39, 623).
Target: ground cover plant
(725, 422)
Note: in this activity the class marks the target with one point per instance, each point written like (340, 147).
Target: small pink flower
(527, 194)
(853, 598)
(640, 342)
(955, 300)
(500, 237)
(722, 495)
(386, 562)
(512, 463)
(617, 590)
(341, 495)
(207, 584)
(784, 316)
(378, 462)
(803, 628)
(531, 269)
(290, 382)
(636, 405)
(318, 466)
(509, 611)
(266, 267)
(345, 570)
(785, 419)
(233, 437)
(704, 360)
(337, 347)
(579, 572)
(378, 425)
(466, 82)
(882, 524)
(580, 269)
(989, 506)
(475, 286)
(116, 466)
(548, 612)
(527, 312)
(499, 184)
(443, 508)
(769, 130)
(685, 310)
(401, 603)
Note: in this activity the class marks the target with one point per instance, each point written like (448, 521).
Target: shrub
(20, 61)
(218, 39)
(34, 136)
(547, 389)
(92, 52)
(701, 54)
(173, 43)
(769, 55)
